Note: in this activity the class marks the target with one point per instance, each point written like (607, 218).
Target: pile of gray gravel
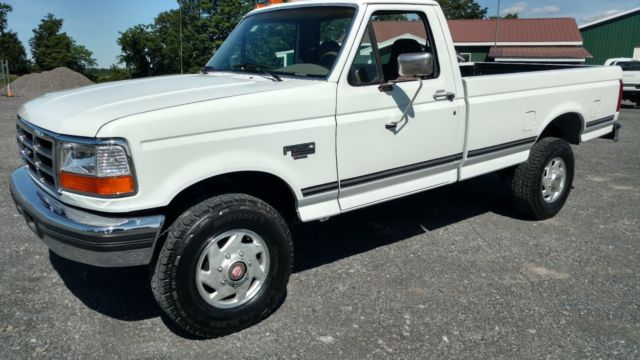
(62, 78)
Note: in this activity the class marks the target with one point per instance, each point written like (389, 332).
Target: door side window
(365, 67)
(395, 33)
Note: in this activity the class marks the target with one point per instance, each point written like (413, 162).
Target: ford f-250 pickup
(308, 110)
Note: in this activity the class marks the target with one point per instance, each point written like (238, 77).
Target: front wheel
(541, 185)
(224, 265)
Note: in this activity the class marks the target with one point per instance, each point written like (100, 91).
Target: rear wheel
(224, 265)
(541, 185)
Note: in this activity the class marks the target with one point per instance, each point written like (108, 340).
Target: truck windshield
(629, 65)
(300, 42)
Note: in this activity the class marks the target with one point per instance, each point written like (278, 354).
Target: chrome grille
(38, 153)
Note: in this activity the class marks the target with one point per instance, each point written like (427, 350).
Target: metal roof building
(613, 37)
(520, 40)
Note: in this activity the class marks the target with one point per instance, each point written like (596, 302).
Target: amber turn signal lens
(99, 186)
(263, 3)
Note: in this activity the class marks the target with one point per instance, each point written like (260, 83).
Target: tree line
(153, 49)
(178, 40)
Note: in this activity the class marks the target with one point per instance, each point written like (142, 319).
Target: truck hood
(83, 111)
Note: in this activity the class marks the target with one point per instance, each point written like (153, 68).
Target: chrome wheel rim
(554, 179)
(232, 268)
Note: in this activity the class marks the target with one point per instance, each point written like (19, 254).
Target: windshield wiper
(257, 69)
(208, 69)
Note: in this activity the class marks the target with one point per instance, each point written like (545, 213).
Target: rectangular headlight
(78, 159)
(95, 169)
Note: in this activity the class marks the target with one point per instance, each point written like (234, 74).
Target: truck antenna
(181, 67)
(497, 26)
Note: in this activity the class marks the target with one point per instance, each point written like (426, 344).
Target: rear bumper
(82, 236)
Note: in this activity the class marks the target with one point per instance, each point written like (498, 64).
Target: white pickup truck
(630, 77)
(310, 109)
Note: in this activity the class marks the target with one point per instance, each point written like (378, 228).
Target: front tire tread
(163, 282)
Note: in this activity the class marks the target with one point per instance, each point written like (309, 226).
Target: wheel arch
(567, 126)
(265, 186)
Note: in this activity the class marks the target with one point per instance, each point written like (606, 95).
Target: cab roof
(295, 3)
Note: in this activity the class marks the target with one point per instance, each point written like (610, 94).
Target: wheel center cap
(237, 271)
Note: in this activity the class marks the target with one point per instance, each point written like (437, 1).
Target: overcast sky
(96, 24)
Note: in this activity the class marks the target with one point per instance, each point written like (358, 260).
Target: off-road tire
(173, 278)
(526, 183)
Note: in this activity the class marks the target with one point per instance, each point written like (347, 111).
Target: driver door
(377, 162)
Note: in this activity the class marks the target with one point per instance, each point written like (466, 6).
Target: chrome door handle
(442, 95)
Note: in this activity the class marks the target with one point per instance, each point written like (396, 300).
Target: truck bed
(515, 104)
(497, 68)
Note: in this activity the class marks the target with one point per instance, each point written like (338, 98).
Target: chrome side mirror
(415, 65)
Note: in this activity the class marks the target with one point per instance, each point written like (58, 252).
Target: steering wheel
(327, 59)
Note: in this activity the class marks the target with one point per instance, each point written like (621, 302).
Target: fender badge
(300, 151)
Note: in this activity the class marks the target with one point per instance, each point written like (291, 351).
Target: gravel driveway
(450, 273)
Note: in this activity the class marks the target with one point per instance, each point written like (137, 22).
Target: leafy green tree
(140, 48)
(206, 24)
(5, 9)
(167, 31)
(51, 48)
(225, 15)
(11, 48)
(463, 9)
(113, 73)
(82, 56)
(150, 50)
(507, 16)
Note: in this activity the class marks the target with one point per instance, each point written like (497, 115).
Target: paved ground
(446, 274)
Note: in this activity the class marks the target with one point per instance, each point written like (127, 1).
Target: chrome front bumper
(99, 240)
